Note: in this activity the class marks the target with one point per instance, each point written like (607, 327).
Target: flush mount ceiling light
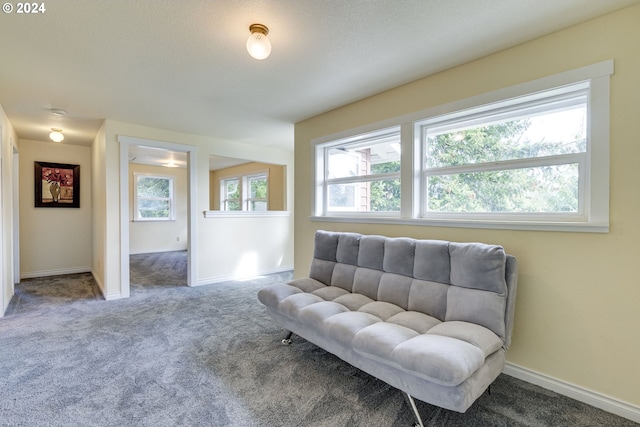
(56, 135)
(258, 45)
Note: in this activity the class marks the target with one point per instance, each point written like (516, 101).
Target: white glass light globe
(258, 45)
(56, 135)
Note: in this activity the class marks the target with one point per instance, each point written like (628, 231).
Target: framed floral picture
(57, 185)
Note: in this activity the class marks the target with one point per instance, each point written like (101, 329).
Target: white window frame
(594, 187)
(245, 190)
(246, 187)
(539, 102)
(137, 198)
(322, 173)
(224, 200)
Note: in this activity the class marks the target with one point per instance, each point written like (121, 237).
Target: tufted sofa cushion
(445, 352)
(409, 310)
(439, 278)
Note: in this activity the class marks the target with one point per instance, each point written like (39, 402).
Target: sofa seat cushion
(477, 335)
(329, 293)
(353, 301)
(342, 327)
(379, 340)
(291, 305)
(415, 320)
(381, 309)
(315, 314)
(446, 353)
(437, 358)
(273, 295)
(307, 284)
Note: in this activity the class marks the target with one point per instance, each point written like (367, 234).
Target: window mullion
(243, 192)
(364, 178)
(507, 164)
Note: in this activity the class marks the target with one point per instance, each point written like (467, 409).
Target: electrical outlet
(178, 239)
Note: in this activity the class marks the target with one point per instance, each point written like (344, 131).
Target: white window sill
(245, 214)
(582, 227)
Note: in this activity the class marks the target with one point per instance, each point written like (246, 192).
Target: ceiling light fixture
(56, 135)
(258, 45)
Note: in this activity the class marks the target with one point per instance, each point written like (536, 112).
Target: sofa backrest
(472, 282)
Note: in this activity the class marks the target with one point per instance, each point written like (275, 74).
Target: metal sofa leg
(287, 339)
(414, 409)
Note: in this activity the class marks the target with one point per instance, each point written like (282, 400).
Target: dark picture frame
(56, 185)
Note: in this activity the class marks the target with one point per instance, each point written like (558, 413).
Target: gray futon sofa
(429, 317)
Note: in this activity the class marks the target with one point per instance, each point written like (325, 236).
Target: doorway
(127, 146)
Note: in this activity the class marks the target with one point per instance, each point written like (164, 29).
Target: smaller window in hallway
(153, 196)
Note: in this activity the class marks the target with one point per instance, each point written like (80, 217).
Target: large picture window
(153, 196)
(532, 156)
(522, 159)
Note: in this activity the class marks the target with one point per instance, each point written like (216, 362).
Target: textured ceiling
(182, 65)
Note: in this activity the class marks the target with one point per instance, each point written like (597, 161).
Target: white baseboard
(54, 272)
(112, 296)
(101, 286)
(598, 400)
(157, 250)
(227, 277)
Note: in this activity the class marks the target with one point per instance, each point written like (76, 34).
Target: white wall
(98, 203)
(8, 142)
(211, 250)
(54, 241)
(159, 236)
(242, 246)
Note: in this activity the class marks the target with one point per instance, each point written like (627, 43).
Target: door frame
(15, 183)
(191, 151)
